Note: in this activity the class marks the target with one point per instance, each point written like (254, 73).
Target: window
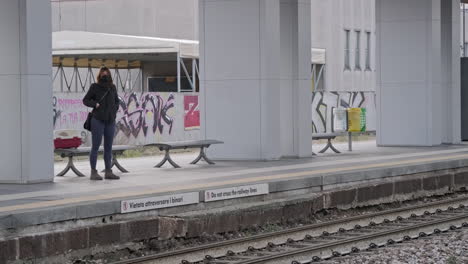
(357, 58)
(368, 52)
(167, 84)
(347, 51)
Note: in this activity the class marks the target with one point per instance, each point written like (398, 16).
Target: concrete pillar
(296, 116)
(255, 78)
(451, 80)
(417, 73)
(26, 89)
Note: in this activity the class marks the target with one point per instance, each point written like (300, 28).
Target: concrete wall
(143, 118)
(330, 19)
(159, 18)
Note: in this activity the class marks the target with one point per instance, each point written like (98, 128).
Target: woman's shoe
(95, 175)
(109, 175)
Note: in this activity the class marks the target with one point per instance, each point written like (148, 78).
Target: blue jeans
(98, 130)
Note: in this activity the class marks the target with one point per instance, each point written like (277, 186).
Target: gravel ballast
(444, 248)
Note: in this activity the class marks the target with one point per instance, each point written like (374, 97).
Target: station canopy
(84, 49)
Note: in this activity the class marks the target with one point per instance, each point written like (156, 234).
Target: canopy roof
(72, 47)
(76, 43)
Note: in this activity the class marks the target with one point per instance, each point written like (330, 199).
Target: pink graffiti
(72, 118)
(70, 103)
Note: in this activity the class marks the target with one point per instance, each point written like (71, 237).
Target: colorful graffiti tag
(147, 113)
(142, 118)
(323, 104)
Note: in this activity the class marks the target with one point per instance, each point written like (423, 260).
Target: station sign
(158, 202)
(236, 192)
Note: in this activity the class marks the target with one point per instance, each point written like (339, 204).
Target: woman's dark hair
(102, 70)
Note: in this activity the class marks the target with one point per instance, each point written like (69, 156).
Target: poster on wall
(192, 112)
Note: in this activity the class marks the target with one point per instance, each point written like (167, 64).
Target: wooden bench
(85, 151)
(168, 146)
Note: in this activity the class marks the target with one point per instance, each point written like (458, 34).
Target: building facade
(346, 30)
(156, 18)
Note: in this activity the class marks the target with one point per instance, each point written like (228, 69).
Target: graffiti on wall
(192, 112)
(323, 104)
(68, 112)
(142, 118)
(146, 114)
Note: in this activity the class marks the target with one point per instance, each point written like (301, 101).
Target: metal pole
(178, 72)
(194, 75)
(76, 76)
(314, 77)
(130, 87)
(61, 77)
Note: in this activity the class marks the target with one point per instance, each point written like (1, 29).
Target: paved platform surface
(324, 170)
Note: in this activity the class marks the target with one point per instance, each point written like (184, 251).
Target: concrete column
(296, 116)
(26, 88)
(244, 76)
(451, 79)
(416, 72)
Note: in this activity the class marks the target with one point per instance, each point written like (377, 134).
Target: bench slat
(185, 144)
(328, 135)
(87, 150)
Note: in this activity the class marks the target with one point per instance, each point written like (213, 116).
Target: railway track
(312, 243)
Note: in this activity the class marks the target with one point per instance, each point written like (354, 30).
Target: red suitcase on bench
(66, 143)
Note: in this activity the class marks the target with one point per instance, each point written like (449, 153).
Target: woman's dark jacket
(108, 106)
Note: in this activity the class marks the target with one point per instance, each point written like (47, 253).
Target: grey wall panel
(159, 18)
(72, 15)
(55, 16)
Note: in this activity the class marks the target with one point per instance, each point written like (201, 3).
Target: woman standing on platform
(103, 98)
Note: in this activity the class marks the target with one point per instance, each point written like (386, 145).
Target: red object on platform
(66, 143)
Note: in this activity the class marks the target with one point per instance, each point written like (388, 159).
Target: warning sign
(151, 203)
(236, 192)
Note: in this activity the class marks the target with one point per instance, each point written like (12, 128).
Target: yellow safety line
(68, 201)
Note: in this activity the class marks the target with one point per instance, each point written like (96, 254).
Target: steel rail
(224, 244)
(347, 241)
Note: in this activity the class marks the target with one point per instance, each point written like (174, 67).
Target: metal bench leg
(70, 165)
(167, 157)
(334, 149)
(117, 164)
(325, 148)
(329, 145)
(202, 155)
